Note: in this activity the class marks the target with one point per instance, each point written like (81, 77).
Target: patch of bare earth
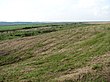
(3, 53)
(77, 74)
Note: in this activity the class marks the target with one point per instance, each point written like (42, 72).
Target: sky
(54, 10)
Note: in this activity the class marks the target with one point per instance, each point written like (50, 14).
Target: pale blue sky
(54, 10)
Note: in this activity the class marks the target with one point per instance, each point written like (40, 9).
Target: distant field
(10, 27)
(20, 26)
(98, 22)
(19, 31)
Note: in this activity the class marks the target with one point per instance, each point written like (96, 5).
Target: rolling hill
(74, 54)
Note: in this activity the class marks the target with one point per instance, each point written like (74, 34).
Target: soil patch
(3, 53)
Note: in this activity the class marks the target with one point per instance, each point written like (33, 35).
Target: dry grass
(78, 74)
(64, 55)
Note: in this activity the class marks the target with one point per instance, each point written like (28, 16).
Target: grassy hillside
(79, 54)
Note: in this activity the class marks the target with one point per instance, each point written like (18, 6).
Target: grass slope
(70, 55)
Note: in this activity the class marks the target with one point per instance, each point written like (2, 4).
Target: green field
(29, 30)
(10, 27)
(62, 53)
(20, 26)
